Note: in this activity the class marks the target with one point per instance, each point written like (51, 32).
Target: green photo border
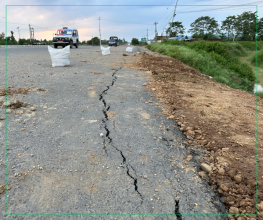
(129, 214)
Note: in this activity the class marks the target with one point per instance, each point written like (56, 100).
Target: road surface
(94, 145)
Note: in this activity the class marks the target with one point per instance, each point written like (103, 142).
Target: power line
(169, 16)
(199, 3)
(164, 24)
(126, 22)
(204, 9)
(167, 8)
(167, 13)
(222, 8)
(50, 26)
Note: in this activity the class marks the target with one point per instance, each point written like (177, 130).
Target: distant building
(162, 38)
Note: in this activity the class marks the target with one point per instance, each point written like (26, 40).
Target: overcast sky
(122, 21)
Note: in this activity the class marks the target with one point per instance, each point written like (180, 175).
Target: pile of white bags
(105, 50)
(129, 49)
(59, 57)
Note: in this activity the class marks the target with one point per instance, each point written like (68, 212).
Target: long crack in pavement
(106, 108)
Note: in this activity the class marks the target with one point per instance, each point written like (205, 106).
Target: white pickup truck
(65, 37)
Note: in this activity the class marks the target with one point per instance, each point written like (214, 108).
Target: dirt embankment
(217, 118)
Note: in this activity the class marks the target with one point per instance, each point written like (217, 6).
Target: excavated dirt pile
(217, 118)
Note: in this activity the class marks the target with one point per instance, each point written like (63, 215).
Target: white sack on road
(105, 50)
(129, 49)
(59, 57)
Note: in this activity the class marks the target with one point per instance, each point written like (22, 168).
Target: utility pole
(33, 34)
(147, 34)
(156, 34)
(173, 17)
(30, 32)
(18, 32)
(99, 30)
(174, 11)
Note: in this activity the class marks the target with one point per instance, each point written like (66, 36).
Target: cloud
(123, 21)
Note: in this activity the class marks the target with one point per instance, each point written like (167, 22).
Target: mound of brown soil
(225, 121)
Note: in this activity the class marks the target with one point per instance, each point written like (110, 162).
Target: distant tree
(260, 29)
(186, 37)
(96, 41)
(237, 28)
(203, 25)
(89, 42)
(229, 24)
(198, 35)
(135, 41)
(246, 25)
(12, 38)
(175, 28)
(221, 33)
(2, 36)
(104, 42)
(22, 41)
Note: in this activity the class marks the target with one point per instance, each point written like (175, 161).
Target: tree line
(237, 27)
(10, 40)
(95, 41)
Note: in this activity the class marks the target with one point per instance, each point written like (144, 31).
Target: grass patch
(258, 70)
(221, 53)
(251, 45)
(236, 49)
(212, 60)
(260, 94)
(259, 56)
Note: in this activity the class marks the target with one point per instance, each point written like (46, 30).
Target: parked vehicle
(65, 37)
(114, 41)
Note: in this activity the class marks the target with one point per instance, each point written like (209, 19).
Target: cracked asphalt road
(59, 163)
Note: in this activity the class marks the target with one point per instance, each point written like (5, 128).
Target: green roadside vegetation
(214, 59)
(259, 57)
(250, 59)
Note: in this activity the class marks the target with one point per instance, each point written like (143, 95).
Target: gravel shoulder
(225, 122)
(91, 139)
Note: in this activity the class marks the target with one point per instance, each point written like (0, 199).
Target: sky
(131, 20)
